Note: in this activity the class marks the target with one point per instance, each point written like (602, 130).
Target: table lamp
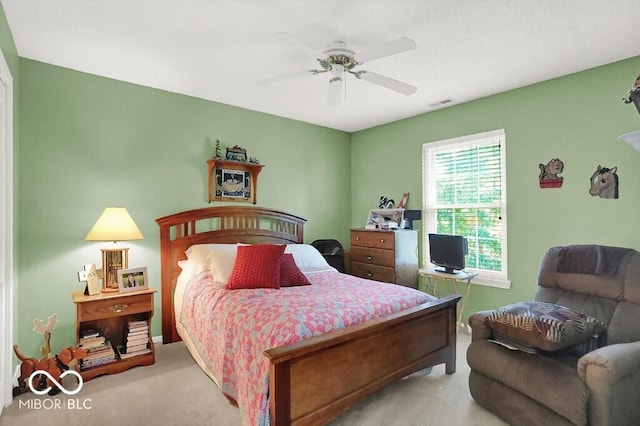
(115, 224)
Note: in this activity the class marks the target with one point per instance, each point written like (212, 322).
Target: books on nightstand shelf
(136, 340)
(99, 349)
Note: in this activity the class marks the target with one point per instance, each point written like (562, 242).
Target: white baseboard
(16, 375)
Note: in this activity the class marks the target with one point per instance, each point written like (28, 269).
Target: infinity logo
(46, 373)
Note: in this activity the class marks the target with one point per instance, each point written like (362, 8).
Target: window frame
(486, 277)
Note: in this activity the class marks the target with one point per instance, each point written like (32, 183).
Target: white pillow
(308, 258)
(197, 255)
(220, 261)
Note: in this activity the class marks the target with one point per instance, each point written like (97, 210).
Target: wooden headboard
(228, 224)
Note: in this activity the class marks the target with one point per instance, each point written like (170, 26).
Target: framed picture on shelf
(132, 280)
(237, 154)
(232, 181)
(235, 183)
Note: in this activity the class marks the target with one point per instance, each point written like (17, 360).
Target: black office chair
(332, 251)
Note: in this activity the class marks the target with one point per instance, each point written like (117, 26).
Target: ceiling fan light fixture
(337, 70)
(334, 96)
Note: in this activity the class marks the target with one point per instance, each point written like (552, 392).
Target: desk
(432, 286)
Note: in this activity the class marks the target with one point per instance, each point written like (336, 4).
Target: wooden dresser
(389, 256)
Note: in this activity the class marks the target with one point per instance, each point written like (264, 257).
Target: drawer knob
(369, 274)
(369, 257)
(118, 308)
(382, 240)
(357, 238)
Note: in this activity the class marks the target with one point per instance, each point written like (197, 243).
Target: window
(464, 193)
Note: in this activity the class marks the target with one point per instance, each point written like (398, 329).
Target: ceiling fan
(339, 60)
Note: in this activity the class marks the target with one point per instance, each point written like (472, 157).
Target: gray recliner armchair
(565, 387)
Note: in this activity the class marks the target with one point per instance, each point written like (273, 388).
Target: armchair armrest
(611, 374)
(479, 328)
(616, 361)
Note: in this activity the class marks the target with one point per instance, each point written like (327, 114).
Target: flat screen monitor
(447, 252)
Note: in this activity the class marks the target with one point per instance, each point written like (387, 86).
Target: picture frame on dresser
(134, 279)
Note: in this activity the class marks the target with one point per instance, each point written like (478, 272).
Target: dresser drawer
(373, 256)
(114, 307)
(373, 272)
(375, 239)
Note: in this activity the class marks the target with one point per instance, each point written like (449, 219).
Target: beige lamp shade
(115, 224)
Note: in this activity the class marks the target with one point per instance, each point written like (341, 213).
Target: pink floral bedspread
(231, 328)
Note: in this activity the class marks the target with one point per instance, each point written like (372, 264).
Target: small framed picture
(237, 153)
(132, 280)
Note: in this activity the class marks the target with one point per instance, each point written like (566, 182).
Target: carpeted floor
(175, 391)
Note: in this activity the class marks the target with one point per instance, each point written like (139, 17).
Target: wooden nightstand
(108, 314)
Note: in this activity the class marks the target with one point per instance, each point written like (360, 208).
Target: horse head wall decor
(604, 182)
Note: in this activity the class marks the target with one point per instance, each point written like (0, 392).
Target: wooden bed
(314, 380)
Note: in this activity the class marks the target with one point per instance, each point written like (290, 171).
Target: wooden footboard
(314, 380)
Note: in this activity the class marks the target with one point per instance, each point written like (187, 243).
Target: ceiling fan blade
(392, 47)
(285, 77)
(389, 83)
(334, 97)
(297, 44)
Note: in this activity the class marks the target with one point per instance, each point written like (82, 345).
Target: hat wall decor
(549, 172)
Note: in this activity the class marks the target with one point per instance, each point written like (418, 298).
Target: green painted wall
(89, 142)
(575, 118)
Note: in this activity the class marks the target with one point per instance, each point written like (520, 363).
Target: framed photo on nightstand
(132, 280)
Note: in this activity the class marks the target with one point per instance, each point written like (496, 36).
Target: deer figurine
(45, 329)
(54, 365)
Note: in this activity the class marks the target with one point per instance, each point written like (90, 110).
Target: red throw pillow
(256, 266)
(290, 275)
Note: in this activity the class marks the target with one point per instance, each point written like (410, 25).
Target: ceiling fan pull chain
(345, 87)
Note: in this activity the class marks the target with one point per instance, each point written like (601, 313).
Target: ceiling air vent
(441, 103)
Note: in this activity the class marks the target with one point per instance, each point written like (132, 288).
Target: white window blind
(464, 184)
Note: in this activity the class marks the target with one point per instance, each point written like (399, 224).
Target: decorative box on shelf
(388, 219)
(385, 219)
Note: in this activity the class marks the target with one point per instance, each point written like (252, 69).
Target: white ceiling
(217, 50)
